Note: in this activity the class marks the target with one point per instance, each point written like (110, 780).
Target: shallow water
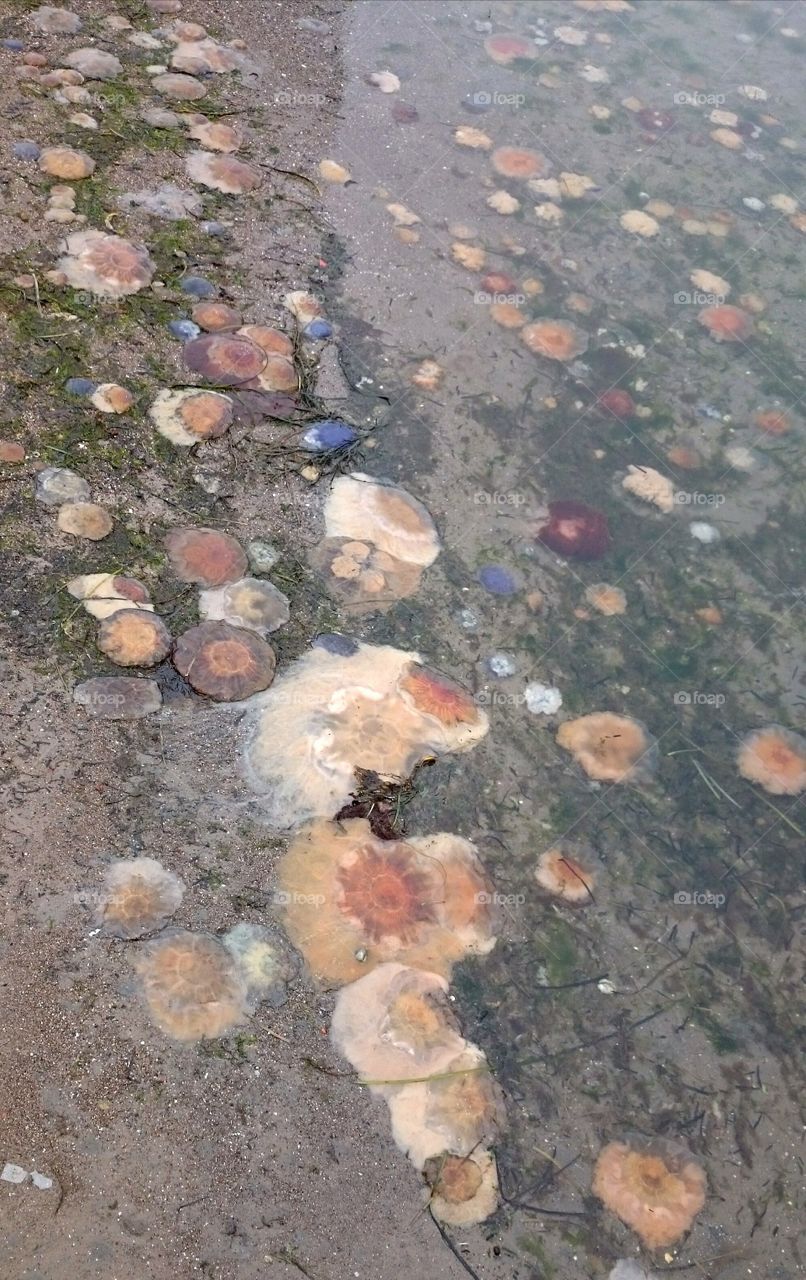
(667, 1005)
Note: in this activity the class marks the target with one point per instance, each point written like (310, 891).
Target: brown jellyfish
(774, 422)
(118, 697)
(555, 339)
(228, 359)
(348, 713)
(437, 695)
(519, 162)
(346, 894)
(106, 265)
(192, 986)
(727, 323)
(203, 57)
(251, 603)
(273, 341)
(95, 64)
(609, 747)
(655, 1186)
(215, 317)
(134, 638)
(363, 577)
(139, 897)
(66, 162)
(562, 876)
(775, 758)
(214, 135)
(188, 417)
(396, 1024)
(222, 173)
(457, 1110)
(85, 520)
(226, 663)
(505, 49)
(184, 88)
(278, 372)
(606, 599)
(103, 594)
(108, 397)
(388, 517)
(205, 556)
(464, 1189)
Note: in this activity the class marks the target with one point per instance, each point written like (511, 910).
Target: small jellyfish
(85, 520)
(134, 638)
(139, 897)
(609, 747)
(329, 434)
(250, 602)
(221, 172)
(192, 986)
(198, 287)
(205, 556)
(576, 531)
(57, 485)
(105, 264)
(776, 759)
(655, 1186)
(118, 697)
(555, 339)
(224, 662)
(498, 580)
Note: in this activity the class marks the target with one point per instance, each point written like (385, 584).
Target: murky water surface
(665, 144)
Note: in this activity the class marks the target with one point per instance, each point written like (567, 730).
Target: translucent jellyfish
(188, 417)
(216, 317)
(224, 662)
(775, 758)
(505, 49)
(654, 1185)
(575, 530)
(252, 603)
(222, 173)
(192, 986)
(561, 874)
(264, 963)
(139, 897)
(54, 21)
(184, 88)
(118, 697)
(391, 519)
(332, 713)
(610, 748)
(457, 1110)
(108, 397)
(105, 264)
(606, 599)
(55, 485)
(424, 901)
(204, 56)
(519, 162)
(727, 323)
(228, 359)
(134, 638)
(167, 201)
(85, 520)
(555, 339)
(464, 1189)
(205, 556)
(103, 594)
(363, 577)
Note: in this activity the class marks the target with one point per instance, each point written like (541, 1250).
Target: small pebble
(344, 646)
(80, 386)
(14, 45)
(468, 620)
(318, 329)
(329, 434)
(501, 665)
(262, 555)
(184, 329)
(497, 580)
(198, 287)
(26, 150)
(213, 228)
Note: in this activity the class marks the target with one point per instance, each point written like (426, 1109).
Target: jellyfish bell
(506, 49)
(650, 486)
(565, 874)
(105, 264)
(555, 339)
(458, 1110)
(575, 530)
(519, 162)
(224, 662)
(775, 758)
(192, 986)
(139, 897)
(228, 359)
(66, 162)
(204, 556)
(360, 508)
(102, 594)
(464, 1189)
(187, 417)
(222, 172)
(656, 1186)
(252, 603)
(617, 402)
(609, 747)
(134, 638)
(726, 323)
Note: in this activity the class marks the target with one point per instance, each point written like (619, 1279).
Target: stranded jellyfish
(423, 901)
(362, 509)
(139, 897)
(555, 339)
(775, 758)
(362, 576)
(563, 876)
(609, 747)
(250, 602)
(85, 520)
(214, 135)
(181, 87)
(457, 1111)
(654, 1185)
(726, 323)
(576, 531)
(215, 316)
(95, 64)
(225, 358)
(224, 662)
(464, 1189)
(205, 556)
(66, 162)
(118, 697)
(192, 986)
(102, 594)
(105, 264)
(134, 638)
(222, 173)
(188, 417)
